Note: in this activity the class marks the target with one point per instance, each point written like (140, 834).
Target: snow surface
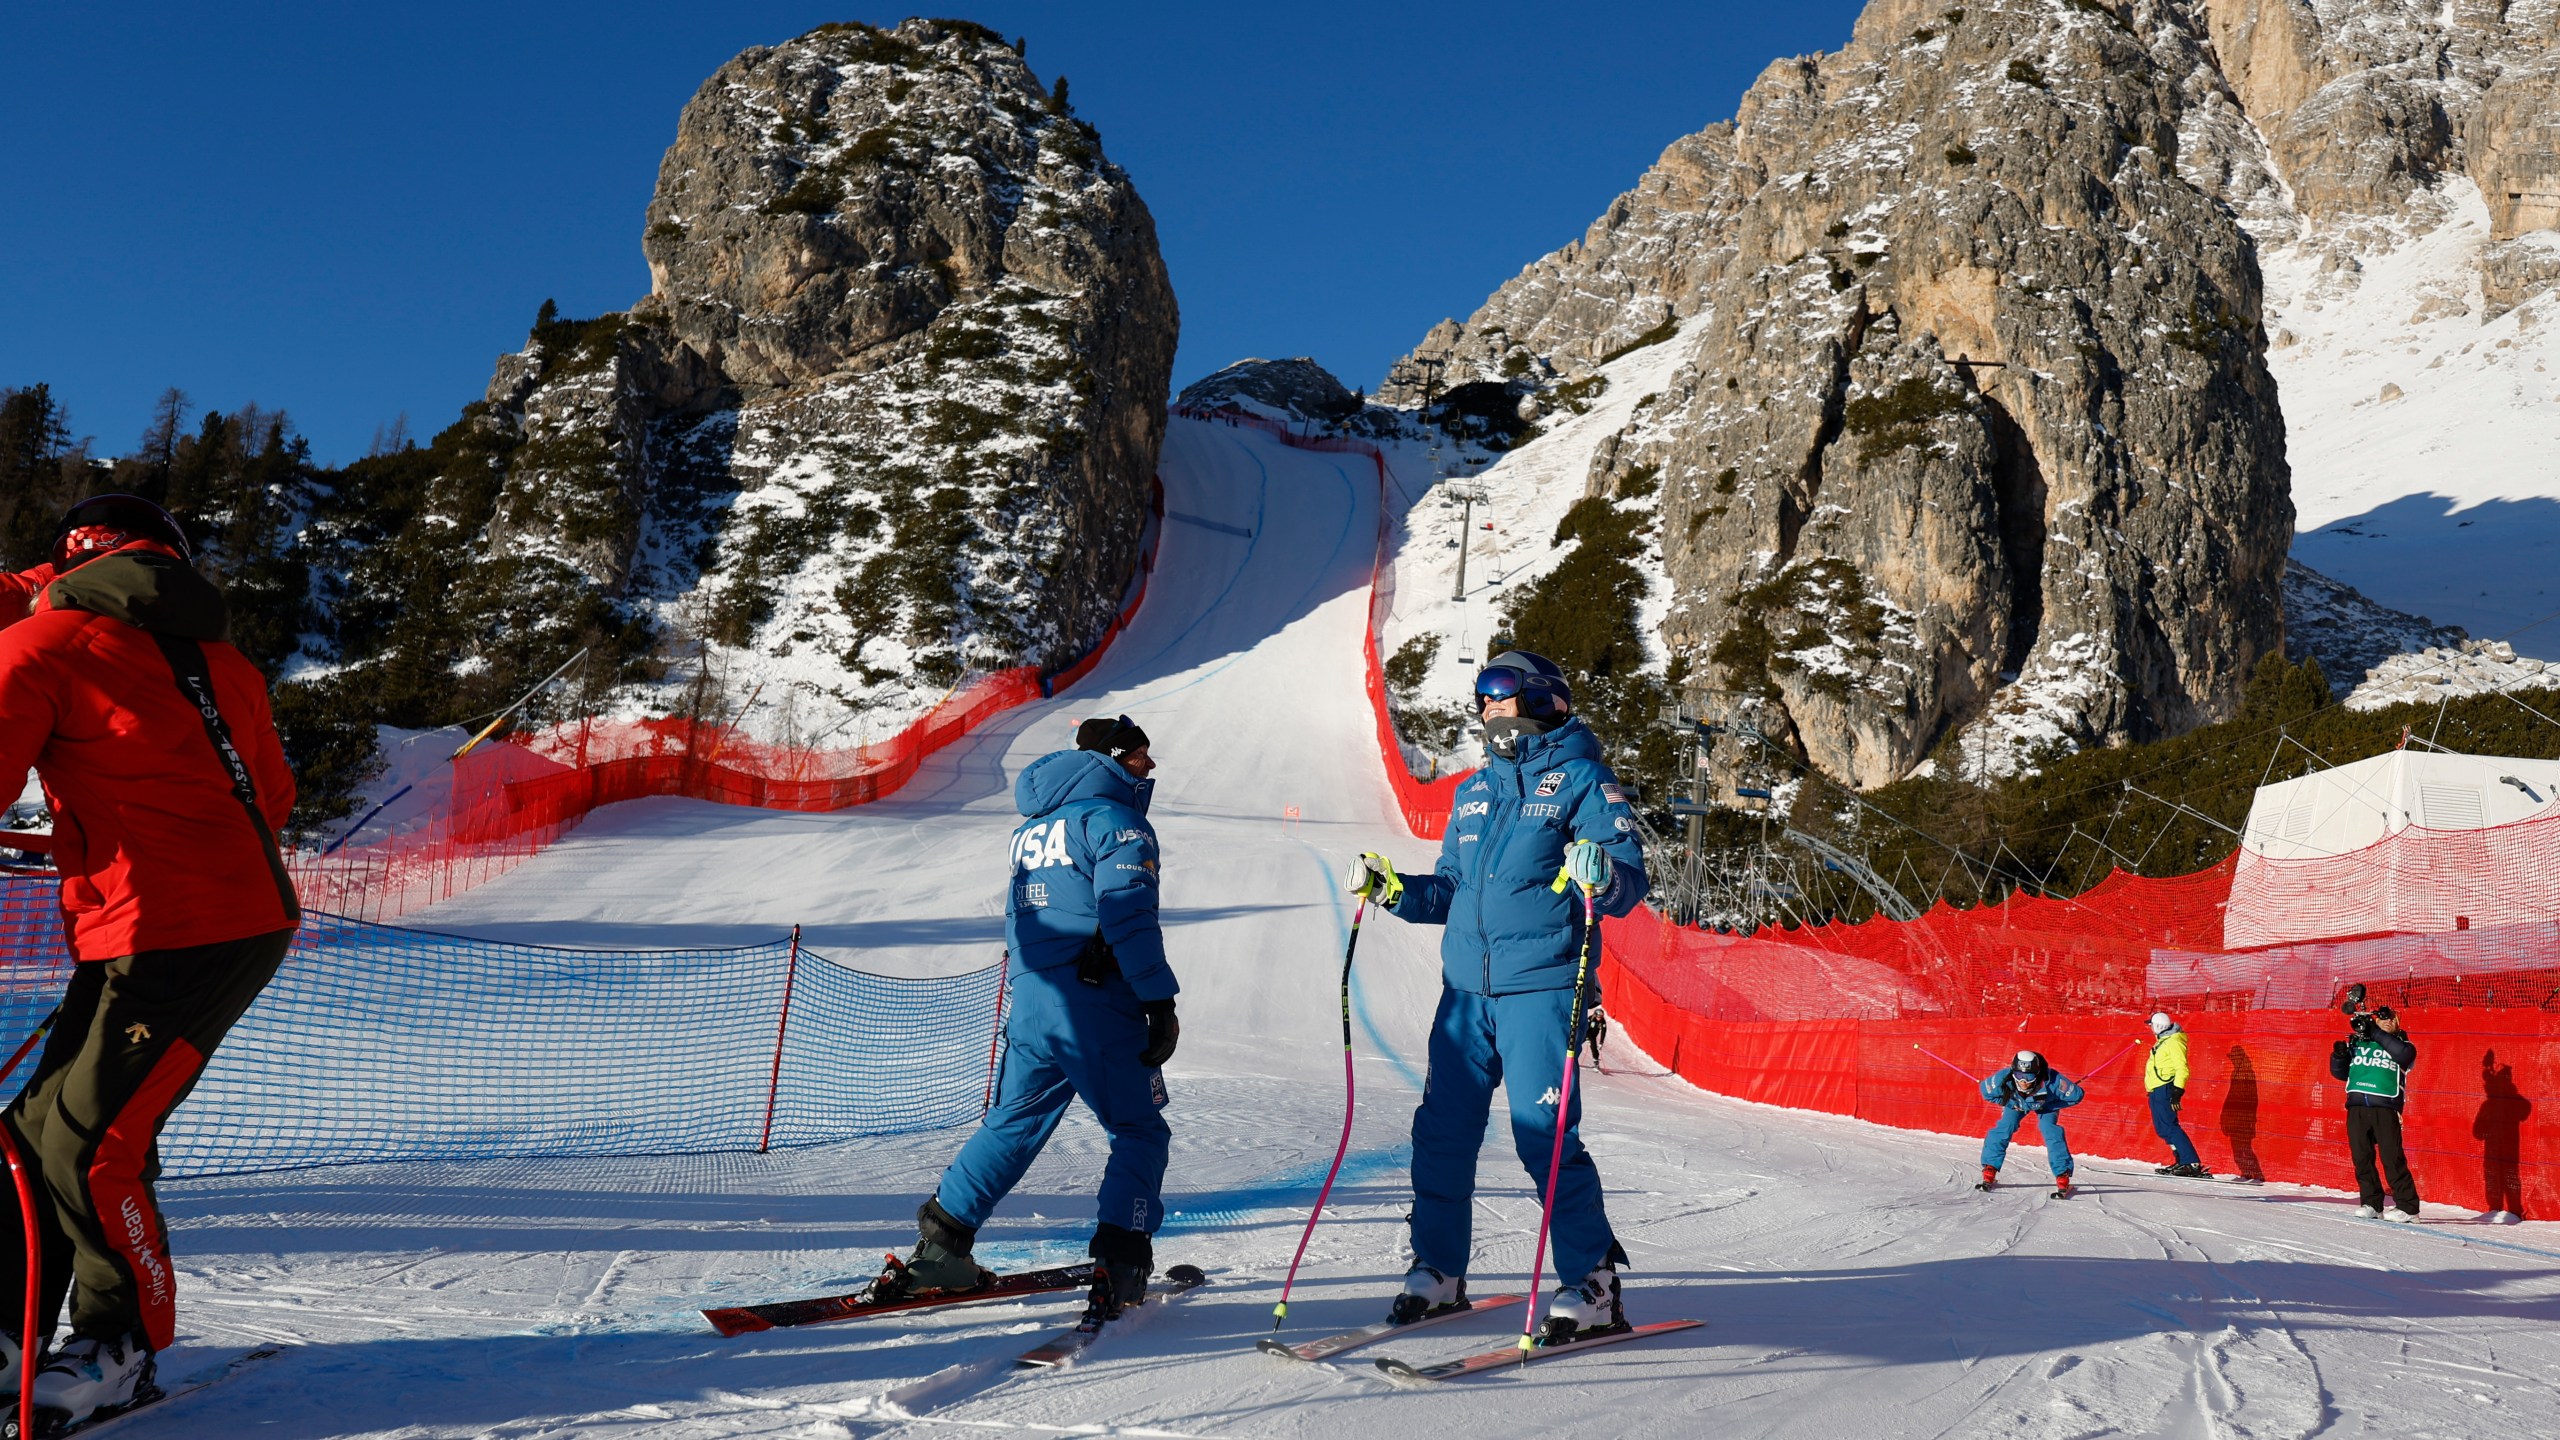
(2424, 433)
(1852, 1283)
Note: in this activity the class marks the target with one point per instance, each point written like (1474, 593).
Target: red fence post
(995, 1042)
(781, 1026)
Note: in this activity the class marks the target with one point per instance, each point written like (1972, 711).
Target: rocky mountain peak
(889, 416)
(1974, 432)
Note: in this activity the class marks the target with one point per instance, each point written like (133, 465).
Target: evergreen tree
(159, 448)
(41, 473)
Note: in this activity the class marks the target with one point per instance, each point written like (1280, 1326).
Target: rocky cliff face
(1975, 432)
(2365, 106)
(890, 413)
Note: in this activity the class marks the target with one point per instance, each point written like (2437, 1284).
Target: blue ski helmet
(1537, 681)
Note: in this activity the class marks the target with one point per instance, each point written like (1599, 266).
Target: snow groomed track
(1853, 1284)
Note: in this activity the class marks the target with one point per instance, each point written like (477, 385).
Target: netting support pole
(781, 1027)
(995, 1042)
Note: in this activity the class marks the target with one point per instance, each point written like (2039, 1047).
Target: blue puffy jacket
(1085, 864)
(2057, 1093)
(1508, 930)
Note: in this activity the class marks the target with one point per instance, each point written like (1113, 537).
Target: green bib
(2372, 1071)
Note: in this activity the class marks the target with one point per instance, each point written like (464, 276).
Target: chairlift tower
(1469, 494)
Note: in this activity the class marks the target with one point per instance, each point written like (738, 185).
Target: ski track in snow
(1851, 1280)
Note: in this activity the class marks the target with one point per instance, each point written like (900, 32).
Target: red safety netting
(2412, 880)
(512, 798)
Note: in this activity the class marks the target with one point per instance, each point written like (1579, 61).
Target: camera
(2360, 1019)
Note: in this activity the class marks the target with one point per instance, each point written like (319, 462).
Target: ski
(1512, 1355)
(2156, 1175)
(1063, 1347)
(1349, 1340)
(152, 1401)
(856, 1305)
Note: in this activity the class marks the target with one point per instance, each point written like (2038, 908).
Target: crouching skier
(1544, 803)
(1092, 1016)
(2029, 1086)
(166, 780)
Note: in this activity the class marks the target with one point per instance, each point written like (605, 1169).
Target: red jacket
(156, 851)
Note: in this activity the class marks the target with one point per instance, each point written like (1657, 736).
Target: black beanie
(1109, 736)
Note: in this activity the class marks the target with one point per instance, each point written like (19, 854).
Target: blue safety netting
(381, 1043)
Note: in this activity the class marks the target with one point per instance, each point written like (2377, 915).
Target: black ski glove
(1163, 1032)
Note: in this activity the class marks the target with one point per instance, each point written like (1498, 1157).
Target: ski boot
(1990, 1177)
(2192, 1170)
(1426, 1293)
(90, 1377)
(941, 1260)
(1124, 1259)
(1585, 1311)
(2368, 1212)
(2062, 1186)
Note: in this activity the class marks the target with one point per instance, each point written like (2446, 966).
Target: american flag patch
(1613, 794)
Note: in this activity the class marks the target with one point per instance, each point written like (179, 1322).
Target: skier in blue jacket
(1543, 811)
(1092, 1016)
(2028, 1086)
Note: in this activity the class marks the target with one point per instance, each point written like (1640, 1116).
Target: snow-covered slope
(1851, 1281)
(1528, 490)
(2424, 432)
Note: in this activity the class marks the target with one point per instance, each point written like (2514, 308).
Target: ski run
(1851, 1279)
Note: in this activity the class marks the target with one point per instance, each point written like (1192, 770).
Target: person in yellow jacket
(2166, 1078)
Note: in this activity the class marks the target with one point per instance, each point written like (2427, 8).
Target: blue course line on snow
(1359, 995)
(1293, 1188)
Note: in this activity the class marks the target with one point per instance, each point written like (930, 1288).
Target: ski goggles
(1500, 682)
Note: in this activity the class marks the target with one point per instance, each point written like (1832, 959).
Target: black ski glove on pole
(1163, 1032)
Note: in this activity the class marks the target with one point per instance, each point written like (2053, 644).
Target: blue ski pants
(1517, 1042)
(1066, 1040)
(2057, 1149)
(2164, 1123)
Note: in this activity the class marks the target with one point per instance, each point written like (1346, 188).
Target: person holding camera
(2374, 1061)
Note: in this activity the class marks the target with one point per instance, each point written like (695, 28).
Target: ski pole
(1943, 1060)
(2110, 1060)
(30, 1236)
(1564, 1107)
(1350, 1094)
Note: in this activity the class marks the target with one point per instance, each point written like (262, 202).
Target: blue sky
(350, 211)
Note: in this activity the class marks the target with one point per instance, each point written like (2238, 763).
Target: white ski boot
(1426, 1293)
(2367, 1212)
(88, 1377)
(1580, 1312)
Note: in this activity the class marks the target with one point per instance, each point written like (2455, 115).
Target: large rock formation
(2364, 106)
(891, 411)
(1976, 428)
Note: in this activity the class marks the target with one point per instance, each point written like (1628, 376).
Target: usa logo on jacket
(1551, 782)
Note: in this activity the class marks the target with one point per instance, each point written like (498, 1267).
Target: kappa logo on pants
(1552, 1097)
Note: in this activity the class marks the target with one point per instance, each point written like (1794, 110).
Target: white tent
(2412, 842)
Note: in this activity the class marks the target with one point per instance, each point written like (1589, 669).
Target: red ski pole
(2110, 1060)
(33, 1240)
(1350, 1095)
(1564, 1107)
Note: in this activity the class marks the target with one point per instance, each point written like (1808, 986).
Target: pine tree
(159, 448)
(40, 473)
